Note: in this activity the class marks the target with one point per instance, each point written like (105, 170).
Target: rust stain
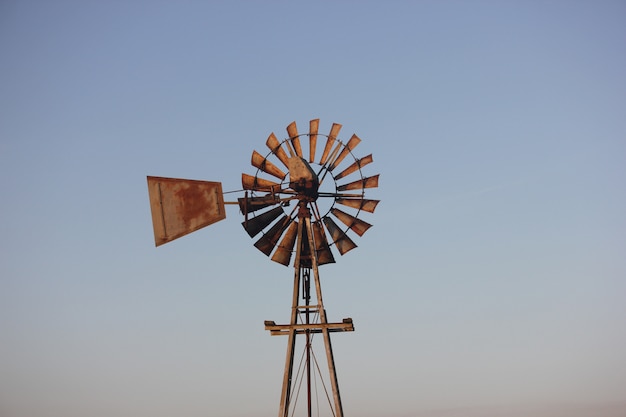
(196, 203)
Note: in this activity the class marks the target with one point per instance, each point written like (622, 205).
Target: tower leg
(305, 238)
(285, 396)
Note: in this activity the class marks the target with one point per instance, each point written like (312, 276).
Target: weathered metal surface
(283, 329)
(367, 182)
(255, 224)
(333, 155)
(300, 170)
(358, 164)
(341, 240)
(334, 131)
(324, 254)
(251, 204)
(313, 127)
(268, 241)
(302, 178)
(292, 131)
(264, 165)
(250, 182)
(359, 203)
(352, 143)
(181, 206)
(283, 252)
(355, 224)
(305, 260)
(274, 146)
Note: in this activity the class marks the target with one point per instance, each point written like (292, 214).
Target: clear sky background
(493, 282)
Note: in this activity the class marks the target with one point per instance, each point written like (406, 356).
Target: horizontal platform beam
(283, 329)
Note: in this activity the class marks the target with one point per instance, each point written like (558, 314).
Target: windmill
(298, 204)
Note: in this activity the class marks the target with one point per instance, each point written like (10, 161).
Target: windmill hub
(302, 179)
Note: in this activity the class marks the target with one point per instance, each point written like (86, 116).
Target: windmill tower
(291, 202)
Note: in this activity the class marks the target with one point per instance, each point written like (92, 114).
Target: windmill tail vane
(291, 206)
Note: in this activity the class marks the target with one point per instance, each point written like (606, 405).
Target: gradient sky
(493, 282)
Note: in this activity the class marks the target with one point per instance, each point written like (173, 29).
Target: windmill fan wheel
(286, 181)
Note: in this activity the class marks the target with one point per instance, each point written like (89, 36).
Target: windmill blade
(359, 203)
(340, 238)
(250, 182)
(260, 162)
(274, 146)
(180, 206)
(359, 163)
(267, 242)
(306, 256)
(251, 204)
(292, 131)
(367, 182)
(358, 226)
(322, 249)
(352, 143)
(254, 225)
(335, 151)
(313, 126)
(283, 252)
(334, 131)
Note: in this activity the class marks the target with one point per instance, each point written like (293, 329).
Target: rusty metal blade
(250, 182)
(359, 203)
(259, 161)
(180, 206)
(357, 225)
(352, 143)
(250, 204)
(292, 131)
(340, 238)
(313, 126)
(255, 224)
(283, 252)
(322, 249)
(334, 152)
(267, 242)
(359, 163)
(334, 131)
(276, 149)
(306, 260)
(367, 182)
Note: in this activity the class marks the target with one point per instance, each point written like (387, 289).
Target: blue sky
(492, 283)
